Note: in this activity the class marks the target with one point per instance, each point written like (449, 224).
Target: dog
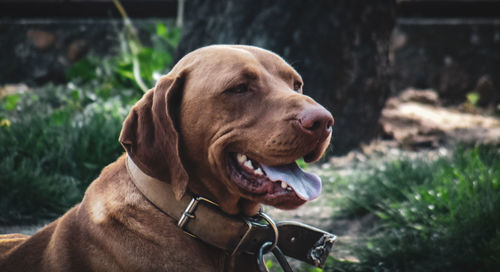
(227, 124)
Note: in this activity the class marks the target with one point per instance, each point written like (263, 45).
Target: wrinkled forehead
(222, 64)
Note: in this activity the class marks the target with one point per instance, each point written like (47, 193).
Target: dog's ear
(150, 136)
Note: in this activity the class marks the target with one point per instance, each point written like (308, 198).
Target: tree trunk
(341, 49)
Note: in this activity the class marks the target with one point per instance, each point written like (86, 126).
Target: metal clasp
(189, 212)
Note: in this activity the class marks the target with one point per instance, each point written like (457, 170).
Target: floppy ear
(150, 137)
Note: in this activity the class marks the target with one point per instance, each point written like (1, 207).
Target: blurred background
(412, 180)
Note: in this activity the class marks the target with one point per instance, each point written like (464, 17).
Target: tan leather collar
(203, 219)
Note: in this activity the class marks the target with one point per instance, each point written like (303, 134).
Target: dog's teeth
(284, 185)
(248, 164)
(288, 188)
(259, 172)
(241, 158)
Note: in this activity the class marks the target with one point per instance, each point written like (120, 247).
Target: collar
(203, 219)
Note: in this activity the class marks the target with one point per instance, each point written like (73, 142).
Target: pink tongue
(306, 185)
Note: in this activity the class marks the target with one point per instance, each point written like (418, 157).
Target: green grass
(53, 147)
(54, 140)
(442, 215)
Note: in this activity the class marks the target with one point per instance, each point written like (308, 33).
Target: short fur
(181, 132)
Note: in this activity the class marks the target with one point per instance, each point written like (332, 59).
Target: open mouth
(274, 184)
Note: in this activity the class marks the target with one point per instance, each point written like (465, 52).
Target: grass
(54, 140)
(53, 146)
(442, 215)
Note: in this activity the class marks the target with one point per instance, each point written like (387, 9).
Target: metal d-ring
(275, 229)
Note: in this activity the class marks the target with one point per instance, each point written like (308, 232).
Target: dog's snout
(316, 120)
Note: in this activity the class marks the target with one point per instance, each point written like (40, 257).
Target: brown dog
(227, 123)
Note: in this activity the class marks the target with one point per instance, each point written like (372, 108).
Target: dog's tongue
(306, 185)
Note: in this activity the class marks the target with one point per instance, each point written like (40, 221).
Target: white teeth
(288, 188)
(284, 185)
(241, 158)
(248, 164)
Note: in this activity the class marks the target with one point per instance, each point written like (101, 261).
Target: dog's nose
(316, 120)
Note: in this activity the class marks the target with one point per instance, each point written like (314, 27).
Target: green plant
(301, 163)
(473, 98)
(471, 103)
(432, 216)
(54, 145)
(55, 140)
(116, 74)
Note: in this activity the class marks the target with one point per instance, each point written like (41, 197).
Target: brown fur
(180, 132)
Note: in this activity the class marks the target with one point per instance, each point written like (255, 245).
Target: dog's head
(228, 123)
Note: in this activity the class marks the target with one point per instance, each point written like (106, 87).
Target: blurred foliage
(57, 142)
(274, 266)
(54, 140)
(473, 98)
(115, 74)
(430, 216)
(471, 102)
(301, 163)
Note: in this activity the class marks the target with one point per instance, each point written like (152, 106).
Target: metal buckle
(189, 212)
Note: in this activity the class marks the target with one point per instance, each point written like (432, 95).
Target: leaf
(269, 263)
(161, 29)
(473, 98)
(4, 122)
(301, 163)
(10, 102)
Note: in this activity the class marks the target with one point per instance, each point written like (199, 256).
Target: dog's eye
(242, 88)
(297, 85)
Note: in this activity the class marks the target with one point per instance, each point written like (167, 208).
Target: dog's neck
(197, 216)
(202, 218)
